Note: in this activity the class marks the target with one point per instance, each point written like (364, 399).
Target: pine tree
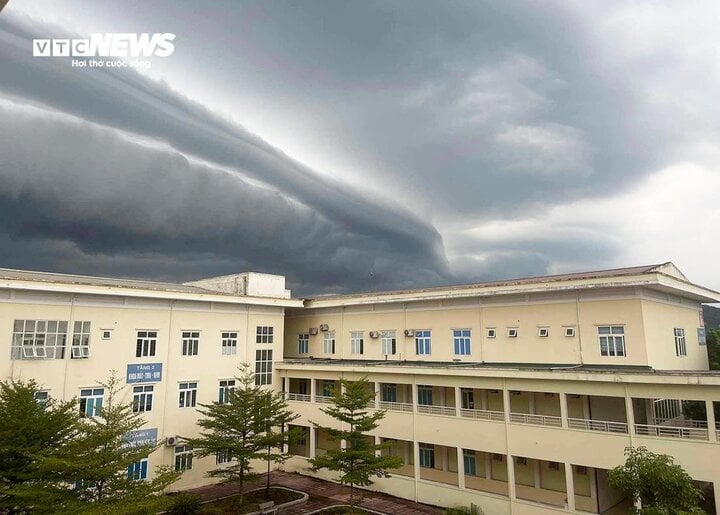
(90, 473)
(359, 459)
(29, 428)
(251, 425)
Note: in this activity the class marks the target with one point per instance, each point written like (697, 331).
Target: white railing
(482, 414)
(395, 406)
(597, 425)
(437, 410)
(690, 433)
(297, 397)
(682, 422)
(324, 399)
(537, 420)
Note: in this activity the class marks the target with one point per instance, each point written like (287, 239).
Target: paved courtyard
(323, 494)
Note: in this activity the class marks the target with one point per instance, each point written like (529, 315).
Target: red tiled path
(323, 494)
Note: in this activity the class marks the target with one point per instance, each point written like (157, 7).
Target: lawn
(250, 502)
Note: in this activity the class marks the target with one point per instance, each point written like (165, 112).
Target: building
(516, 395)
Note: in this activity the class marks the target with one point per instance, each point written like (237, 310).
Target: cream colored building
(516, 395)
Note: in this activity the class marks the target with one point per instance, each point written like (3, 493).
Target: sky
(355, 146)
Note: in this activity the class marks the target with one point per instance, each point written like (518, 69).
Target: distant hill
(712, 317)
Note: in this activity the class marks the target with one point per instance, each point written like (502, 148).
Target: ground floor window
(469, 462)
(138, 470)
(427, 455)
(183, 457)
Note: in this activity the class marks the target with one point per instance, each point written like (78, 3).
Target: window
(553, 465)
(520, 461)
(357, 342)
(569, 332)
(422, 342)
(427, 455)
(222, 457)
(229, 343)
(328, 388)
(226, 386)
(91, 401)
(498, 457)
(188, 395)
(425, 395)
(680, 347)
(146, 343)
(612, 340)
(263, 367)
(581, 470)
(469, 462)
(389, 393)
(512, 332)
(39, 339)
(183, 457)
(303, 343)
(190, 343)
(329, 343)
(106, 334)
(543, 332)
(491, 333)
(138, 470)
(389, 342)
(461, 342)
(42, 396)
(80, 341)
(142, 398)
(264, 334)
(467, 397)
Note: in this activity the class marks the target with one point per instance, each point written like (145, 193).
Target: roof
(579, 280)
(51, 281)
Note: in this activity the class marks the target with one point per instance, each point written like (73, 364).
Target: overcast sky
(358, 145)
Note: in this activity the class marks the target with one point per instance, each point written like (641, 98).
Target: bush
(185, 504)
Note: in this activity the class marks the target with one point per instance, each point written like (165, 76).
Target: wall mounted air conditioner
(409, 333)
(324, 327)
(374, 334)
(313, 330)
(172, 441)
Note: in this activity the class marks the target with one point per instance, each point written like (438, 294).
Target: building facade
(517, 396)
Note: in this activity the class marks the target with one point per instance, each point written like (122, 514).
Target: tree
(359, 459)
(90, 474)
(251, 425)
(29, 428)
(713, 348)
(656, 482)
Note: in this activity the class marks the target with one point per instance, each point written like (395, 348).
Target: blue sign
(141, 436)
(144, 373)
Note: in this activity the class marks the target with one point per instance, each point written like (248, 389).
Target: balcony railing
(690, 433)
(481, 414)
(537, 420)
(395, 406)
(324, 399)
(297, 397)
(437, 410)
(597, 425)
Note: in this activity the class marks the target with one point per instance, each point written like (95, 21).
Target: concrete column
(377, 394)
(415, 401)
(586, 407)
(488, 465)
(570, 487)
(563, 409)
(444, 458)
(461, 467)
(378, 442)
(629, 414)
(716, 489)
(536, 474)
(592, 473)
(406, 453)
(650, 412)
(506, 404)
(313, 442)
(458, 400)
(511, 477)
(342, 389)
(416, 460)
(710, 411)
(313, 386)
(483, 399)
(531, 402)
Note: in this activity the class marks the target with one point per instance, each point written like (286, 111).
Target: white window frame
(146, 343)
(142, 398)
(225, 386)
(264, 334)
(39, 339)
(357, 343)
(513, 332)
(91, 401)
(613, 340)
(80, 347)
(222, 457)
(423, 342)
(680, 341)
(42, 396)
(329, 342)
(106, 334)
(187, 394)
(229, 343)
(190, 343)
(491, 332)
(183, 457)
(138, 471)
(427, 455)
(462, 342)
(303, 343)
(263, 366)
(388, 342)
(569, 332)
(543, 332)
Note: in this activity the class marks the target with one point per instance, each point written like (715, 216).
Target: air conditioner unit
(324, 327)
(313, 330)
(172, 441)
(374, 334)
(409, 333)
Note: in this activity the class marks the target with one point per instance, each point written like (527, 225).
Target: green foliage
(89, 473)
(360, 459)
(713, 348)
(185, 504)
(657, 482)
(252, 425)
(473, 509)
(29, 430)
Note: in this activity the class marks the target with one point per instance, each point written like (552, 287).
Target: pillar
(377, 394)
(461, 467)
(563, 409)
(313, 386)
(506, 404)
(716, 489)
(586, 407)
(416, 461)
(570, 487)
(511, 477)
(710, 414)
(536, 474)
(488, 465)
(483, 399)
(531, 403)
(377, 442)
(313, 442)
(629, 414)
(458, 400)
(415, 402)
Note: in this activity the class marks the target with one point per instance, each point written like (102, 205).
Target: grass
(250, 503)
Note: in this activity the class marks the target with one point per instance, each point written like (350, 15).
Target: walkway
(322, 495)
